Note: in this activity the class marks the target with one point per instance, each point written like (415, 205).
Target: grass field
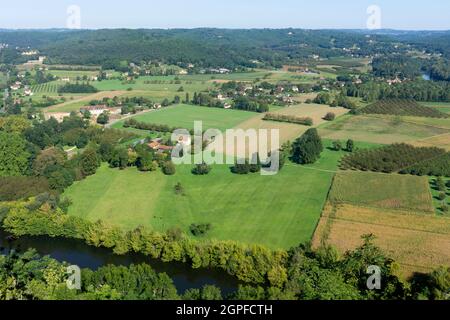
(278, 211)
(381, 129)
(418, 242)
(390, 191)
(183, 116)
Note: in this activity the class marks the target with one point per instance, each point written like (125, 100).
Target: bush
(200, 229)
(330, 116)
(168, 168)
(337, 145)
(201, 169)
(442, 196)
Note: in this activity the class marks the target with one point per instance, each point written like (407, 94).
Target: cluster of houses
(158, 146)
(97, 110)
(18, 85)
(214, 70)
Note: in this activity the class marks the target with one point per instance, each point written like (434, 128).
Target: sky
(308, 14)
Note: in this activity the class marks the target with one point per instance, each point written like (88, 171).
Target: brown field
(441, 141)
(62, 107)
(289, 131)
(418, 242)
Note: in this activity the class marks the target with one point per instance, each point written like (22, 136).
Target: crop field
(183, 116)
(50, 88)
(418, 242)
(379, 129)
(402, 108)
(378, 190)
(252, 208)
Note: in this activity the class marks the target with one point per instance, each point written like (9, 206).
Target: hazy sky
(314, 14)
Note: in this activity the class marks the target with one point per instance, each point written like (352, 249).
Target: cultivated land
(383, 129)
(76, 104)
(418, 242)
(183, 116)
(279, 211)
(390, 191)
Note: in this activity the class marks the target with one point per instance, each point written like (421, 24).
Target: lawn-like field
(279, 211)
(183, 116)
(419, 242)
(391, 191)
(381, 129)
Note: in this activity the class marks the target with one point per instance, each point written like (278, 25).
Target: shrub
(337, 145)
(200, 229)
(201, 169)
(330, 116)
(168, 168)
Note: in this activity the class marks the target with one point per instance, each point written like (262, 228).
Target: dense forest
(202, 47)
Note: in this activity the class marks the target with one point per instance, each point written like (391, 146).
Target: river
(77, 253)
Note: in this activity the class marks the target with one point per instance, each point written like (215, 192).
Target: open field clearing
(289, 131)
(390, 191)
(183, 116)
(76, 104)
(419, 243)
(250, 208)
(379, 129)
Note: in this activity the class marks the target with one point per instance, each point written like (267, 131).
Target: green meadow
(183, 116)
(279, 211)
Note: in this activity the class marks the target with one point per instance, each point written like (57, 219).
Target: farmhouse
(28, 91)
(95, 110)
(58, 116)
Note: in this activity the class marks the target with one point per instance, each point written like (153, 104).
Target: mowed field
(383, 129)
(184, 116)
(418, 242)
(391, 191)
(279, 211)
